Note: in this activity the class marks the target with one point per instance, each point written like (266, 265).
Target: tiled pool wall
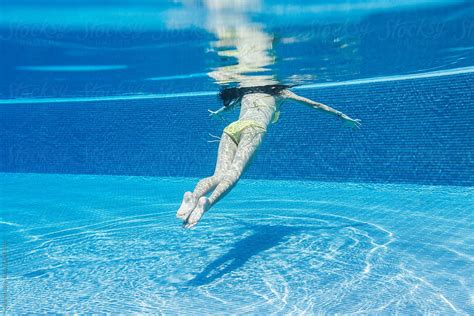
(417, 131)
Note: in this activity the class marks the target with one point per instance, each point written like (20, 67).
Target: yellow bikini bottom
(235, 129)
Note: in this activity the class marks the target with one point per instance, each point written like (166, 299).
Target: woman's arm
(321, 107)
(225, 108)
(218, 112)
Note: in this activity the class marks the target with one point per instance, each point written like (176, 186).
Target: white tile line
(431, 74)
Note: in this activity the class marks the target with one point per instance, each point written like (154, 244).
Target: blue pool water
(104, 125)
(112, 243)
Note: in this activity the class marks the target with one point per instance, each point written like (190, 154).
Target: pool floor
(77, 243)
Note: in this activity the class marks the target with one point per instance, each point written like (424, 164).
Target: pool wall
(415, 131)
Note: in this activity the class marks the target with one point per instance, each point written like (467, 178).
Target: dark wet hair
(230, 96)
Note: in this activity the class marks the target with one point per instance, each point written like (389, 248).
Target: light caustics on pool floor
(110, 244)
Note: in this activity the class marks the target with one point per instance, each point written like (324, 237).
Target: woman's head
(232, 96)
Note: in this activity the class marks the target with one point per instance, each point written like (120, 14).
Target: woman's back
(259, 107)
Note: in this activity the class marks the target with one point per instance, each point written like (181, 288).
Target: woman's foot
(202, 207)
(187, 206)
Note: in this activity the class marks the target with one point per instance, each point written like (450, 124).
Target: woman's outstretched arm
(218, 112)
(321, 107)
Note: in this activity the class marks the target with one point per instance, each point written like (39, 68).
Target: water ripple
(322, 262)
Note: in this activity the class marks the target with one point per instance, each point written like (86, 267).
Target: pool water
(112, 243)
(104, 125)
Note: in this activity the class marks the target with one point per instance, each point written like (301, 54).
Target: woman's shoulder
(258, 97)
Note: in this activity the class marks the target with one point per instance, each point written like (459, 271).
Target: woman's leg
(249, 143)
(225, 156)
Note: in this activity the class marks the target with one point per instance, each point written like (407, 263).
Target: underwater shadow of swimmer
(264, 237)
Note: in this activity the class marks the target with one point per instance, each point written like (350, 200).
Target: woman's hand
(214, 114)
(350, 122)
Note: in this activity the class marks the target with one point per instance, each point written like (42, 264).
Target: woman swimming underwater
(240, 139)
